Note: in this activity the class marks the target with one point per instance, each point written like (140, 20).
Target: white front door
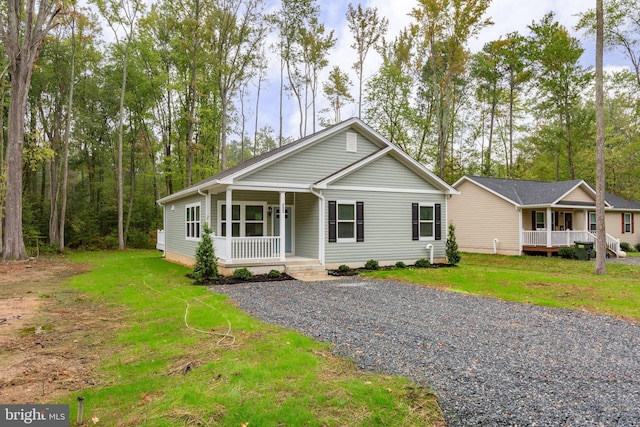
(288, 239)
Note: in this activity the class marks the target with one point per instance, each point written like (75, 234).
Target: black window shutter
(332, 221)
(533, 220)
(622, 222)
(438, 224)
(415, 225)
(359, 221)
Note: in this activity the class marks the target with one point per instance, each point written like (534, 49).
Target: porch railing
(248, 248)
(565, 238)
(160, 240)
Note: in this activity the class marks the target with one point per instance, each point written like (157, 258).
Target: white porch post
(228, 223)
(520, 231)
(549, 225)
(283, 231)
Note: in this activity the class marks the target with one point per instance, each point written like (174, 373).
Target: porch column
(549, 225)
(228, 223)
(283, 231)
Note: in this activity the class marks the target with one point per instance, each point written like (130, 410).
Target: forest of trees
(126, 103)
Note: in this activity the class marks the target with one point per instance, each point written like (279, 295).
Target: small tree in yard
(206, 267)
(453, 254)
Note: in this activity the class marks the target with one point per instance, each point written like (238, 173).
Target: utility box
(583, 250)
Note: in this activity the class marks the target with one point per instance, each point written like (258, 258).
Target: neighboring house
(348, 194)
(511, 217)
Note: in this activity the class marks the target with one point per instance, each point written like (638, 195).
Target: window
(192, 221)
(627, 223)
(346, 221)
(246, 220)
(540, 220)
(592, 222)
(426, 221)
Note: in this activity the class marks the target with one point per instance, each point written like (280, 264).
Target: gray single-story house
(348, 195)
(511, 216)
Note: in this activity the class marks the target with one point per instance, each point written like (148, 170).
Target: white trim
(630, 223)
(520, 232)
(382, 190)
(275, 187)
(198, 221)
(293, 226)
(355, 221)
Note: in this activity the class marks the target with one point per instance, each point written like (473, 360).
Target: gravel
(490, 362)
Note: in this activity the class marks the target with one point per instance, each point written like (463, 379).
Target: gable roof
(539, 193)
(228, 176)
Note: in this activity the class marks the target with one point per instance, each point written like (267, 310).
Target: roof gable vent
(352, 142)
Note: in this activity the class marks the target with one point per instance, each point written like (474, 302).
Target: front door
(568, 221)
(287, 227)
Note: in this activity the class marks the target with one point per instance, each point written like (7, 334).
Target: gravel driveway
(489, 362)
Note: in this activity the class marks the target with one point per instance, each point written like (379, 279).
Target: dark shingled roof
(619, 203)
(525, 192)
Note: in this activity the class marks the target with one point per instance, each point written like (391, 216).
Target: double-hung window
(592, 222)
(540, 220)
(426, 221)
(192, 221)
(346, 221)
(627, 223)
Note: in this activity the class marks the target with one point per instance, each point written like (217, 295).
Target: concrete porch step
(311, 275)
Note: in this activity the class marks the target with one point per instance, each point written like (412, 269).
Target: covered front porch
(552, 228)
(550, 241)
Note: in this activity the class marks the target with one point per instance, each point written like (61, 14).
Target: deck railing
(565, 238)
(248, 248)
(160, 240)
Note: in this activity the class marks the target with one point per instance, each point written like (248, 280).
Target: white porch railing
(160, 240)
(565, 238)
(247, 248)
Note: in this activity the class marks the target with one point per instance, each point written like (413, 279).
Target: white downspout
(228, 222)
(495, 246)
(430, 248)
(321, 225)
(283, 231)
(207, 201)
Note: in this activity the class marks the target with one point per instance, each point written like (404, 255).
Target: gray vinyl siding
(314, 162)
(385, 172)
(306, 225)
(387, 228)
(175, 232)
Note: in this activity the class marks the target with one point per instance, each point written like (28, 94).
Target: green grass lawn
(544, 281)
(164, 365)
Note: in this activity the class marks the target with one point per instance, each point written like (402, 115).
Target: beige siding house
(348, 195)
(511, 217)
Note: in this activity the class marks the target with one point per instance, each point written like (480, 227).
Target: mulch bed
(356, 271)
(230, 280)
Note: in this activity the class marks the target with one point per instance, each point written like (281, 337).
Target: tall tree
(336, 90)
(560, 77)
(601, 243)
(23, 28)
(367, 29)
(121, 17)
(237, 31)
(443, 28)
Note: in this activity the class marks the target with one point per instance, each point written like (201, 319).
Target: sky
(507, 15)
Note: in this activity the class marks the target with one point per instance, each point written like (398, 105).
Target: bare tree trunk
(255, 129)
(23, 34)
(123, 88)
(601, 244)
(192, 98)
(511, 101)
(1, 154)
(67, 136)
(281, 95)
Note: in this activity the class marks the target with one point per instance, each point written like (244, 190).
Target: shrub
(626, 247)
(242, 273)
(401, 264)
(274, 274)
(372, 264)
(638, 247)
(206, 266)
(452, 252)
(422, 263)
(344, 268)
(567, 253)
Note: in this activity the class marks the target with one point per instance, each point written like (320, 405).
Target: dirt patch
(48, 331)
